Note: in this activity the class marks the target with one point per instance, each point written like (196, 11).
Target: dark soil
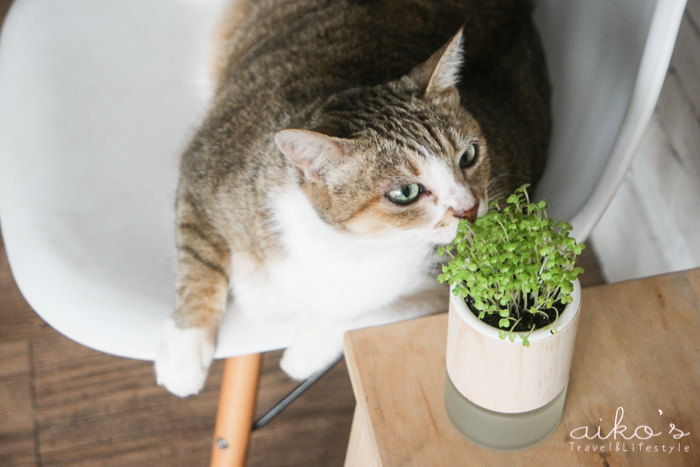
(528, 319)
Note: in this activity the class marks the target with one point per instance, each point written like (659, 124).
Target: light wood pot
(503, 378)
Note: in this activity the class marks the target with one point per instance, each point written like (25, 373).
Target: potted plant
(512, 322)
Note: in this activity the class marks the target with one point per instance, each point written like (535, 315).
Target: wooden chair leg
(234, 418)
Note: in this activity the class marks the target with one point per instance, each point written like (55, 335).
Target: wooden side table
(633, 397)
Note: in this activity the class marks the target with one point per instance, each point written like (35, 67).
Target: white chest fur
(329, 274)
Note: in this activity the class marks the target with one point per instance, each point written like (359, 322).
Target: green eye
(469, 156)
(405, 194)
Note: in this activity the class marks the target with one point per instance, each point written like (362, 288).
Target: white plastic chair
(97, 100)
(607, 61)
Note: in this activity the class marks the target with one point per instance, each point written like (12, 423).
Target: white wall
(652, 225)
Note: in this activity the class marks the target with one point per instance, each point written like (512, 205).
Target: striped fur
(322, 107)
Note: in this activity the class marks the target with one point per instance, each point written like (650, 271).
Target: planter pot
(501, 394)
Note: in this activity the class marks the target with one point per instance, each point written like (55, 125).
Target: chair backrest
(607, 61)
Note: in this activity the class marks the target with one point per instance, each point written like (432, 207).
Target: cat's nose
(469, 214)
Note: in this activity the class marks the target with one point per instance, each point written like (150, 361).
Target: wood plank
(18, 320)
(397, 372)
(361, 447)
(94, 408)
(17, 431)
(685, 61)
(625, 231)
(637, 349)
(665, 188)
(680, 122)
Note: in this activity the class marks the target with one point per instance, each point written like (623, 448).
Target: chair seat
(98, 99)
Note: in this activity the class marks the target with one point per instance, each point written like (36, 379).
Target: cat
(344, 141)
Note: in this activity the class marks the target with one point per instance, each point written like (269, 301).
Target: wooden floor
(64, 404)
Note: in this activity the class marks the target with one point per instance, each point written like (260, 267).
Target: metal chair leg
(293, 395)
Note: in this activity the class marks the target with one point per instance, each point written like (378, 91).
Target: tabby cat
(345, 139)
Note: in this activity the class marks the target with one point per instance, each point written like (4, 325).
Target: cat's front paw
(183, 359)
(310, 352)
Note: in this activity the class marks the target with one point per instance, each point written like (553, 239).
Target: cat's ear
(311, 152)
(439, 76)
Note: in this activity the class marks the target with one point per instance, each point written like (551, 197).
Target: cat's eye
(405, 194)
(469, 156)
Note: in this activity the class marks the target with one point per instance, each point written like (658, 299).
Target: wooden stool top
(633, 397)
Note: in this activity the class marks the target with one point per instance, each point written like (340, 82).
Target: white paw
(183, 359)
(310, 352)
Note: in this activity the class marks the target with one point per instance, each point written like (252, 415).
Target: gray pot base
(502, 431)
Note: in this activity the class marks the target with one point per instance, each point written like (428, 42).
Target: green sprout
(512, 261)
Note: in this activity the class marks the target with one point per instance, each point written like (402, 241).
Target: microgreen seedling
(512, 261)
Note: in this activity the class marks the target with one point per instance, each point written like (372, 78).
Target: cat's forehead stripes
(401, 120)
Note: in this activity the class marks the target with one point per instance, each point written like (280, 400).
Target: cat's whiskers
(502, 189)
